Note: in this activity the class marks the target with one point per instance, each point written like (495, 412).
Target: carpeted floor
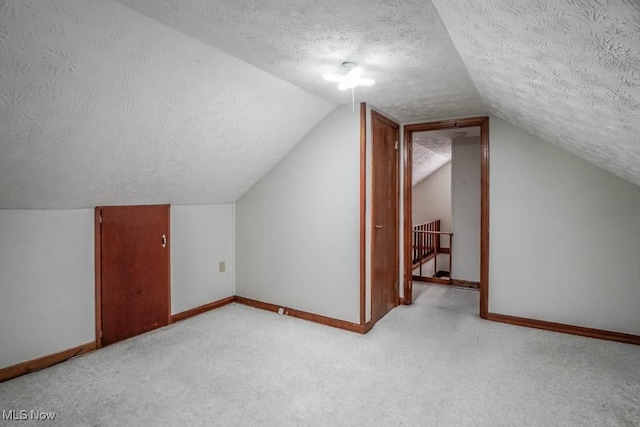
(433, 364)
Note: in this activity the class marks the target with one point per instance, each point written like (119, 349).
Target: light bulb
(351, 79)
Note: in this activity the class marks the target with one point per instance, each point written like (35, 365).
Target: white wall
(201, 237)
(431, 200)
(47, 278)
(47, 282)
(297, 229)
(427, 269)
(564, 236)
(465, 202)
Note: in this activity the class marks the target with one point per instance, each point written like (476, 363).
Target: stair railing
(426, 245)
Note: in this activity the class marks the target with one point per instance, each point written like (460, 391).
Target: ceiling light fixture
(351, 80)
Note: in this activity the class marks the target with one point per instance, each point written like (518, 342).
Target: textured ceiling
(566, 71)
(102, 105)
(432, 150)
(402, 44)
(426, 162)
(192, 101)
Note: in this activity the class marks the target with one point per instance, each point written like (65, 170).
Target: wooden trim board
(45, 361)
(435, 280)
(201, 309)
(484, 217)
(169, 243)
(407, 222)
(565, 329)
(465, 283)
(366, 328)
(483, 123)
(55, 358)
(363, 210)
(98, 274)
(317, 318)
(257, 304)
(424, 260)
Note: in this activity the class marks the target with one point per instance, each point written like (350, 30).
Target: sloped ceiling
(566, 71)
(101, 105)
(432, 150)
(402, 44)
(192, 101)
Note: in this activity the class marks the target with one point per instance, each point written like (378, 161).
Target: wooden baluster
(426, 240)
(415, 244)
(450, 258)
(433, 238)
(420, 252)
(430, 238)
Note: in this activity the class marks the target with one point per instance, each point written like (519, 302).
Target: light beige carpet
(433, 364)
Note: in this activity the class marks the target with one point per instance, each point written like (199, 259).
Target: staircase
(426, 247)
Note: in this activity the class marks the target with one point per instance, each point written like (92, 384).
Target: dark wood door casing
(409, 130)
(134, 271)
(385, 216)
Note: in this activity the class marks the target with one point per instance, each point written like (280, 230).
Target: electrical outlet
(221, 266)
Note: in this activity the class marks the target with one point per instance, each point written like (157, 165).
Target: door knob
(378, 226)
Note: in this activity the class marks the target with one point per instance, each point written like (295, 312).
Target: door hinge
(100, 218)
(100, 334)
(395, 286)
(395, 146)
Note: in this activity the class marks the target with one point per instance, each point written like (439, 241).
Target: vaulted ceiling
(101, 105)
(567, 71)
(432, 150)
(192, 101)
(402, 44)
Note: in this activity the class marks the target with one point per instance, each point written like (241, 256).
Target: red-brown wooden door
(385, 216)
(135, 284)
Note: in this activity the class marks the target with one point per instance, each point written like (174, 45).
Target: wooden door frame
(363, 213)
(375, 115)
(98, 267)
(409, 130)
(98, 272)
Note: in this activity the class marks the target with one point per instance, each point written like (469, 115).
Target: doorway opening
(446, 205)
